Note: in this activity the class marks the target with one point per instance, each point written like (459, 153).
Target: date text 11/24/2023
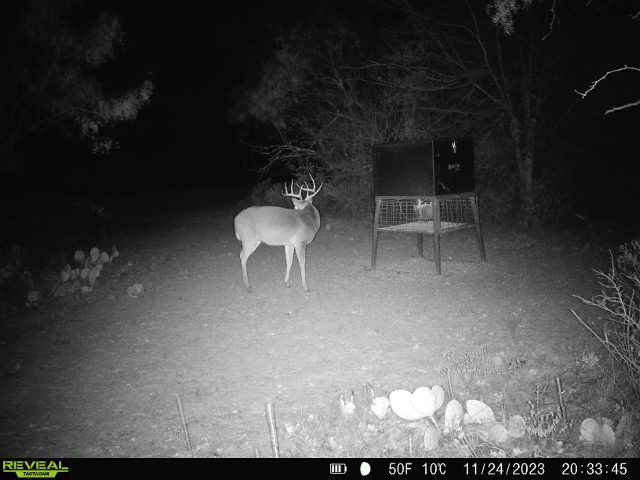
(539, 468)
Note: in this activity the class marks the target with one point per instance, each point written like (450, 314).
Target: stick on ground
(184, 424)
(273, 433)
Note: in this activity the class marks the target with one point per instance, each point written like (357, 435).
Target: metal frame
(433, 215)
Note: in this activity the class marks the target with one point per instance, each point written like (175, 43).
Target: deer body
(292, 228)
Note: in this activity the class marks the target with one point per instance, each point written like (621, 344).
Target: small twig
(490, 443)
(303, 452)
(370, 391)
(554, 18)
(472, 451)
(595, 83)
(273, 433)
(561, 400)
(184, 424)
(449, 381)
(622, 107)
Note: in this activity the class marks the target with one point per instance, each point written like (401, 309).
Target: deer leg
(247, 249)
(288, 254)
(301, 250)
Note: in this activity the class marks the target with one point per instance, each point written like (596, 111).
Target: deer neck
(312, 212)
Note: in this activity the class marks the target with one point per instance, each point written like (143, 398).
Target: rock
(517, 426)
(479, 412)
(431, 439)
(438, 393)
(135, 290)
(498, 433)
(453, 416)
(591, 431)
(380, 407)
(424, 401)
(401, 402)
(62, 290)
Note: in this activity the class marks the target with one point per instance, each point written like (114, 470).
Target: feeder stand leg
(436, 253)
(374, 243)
(420, 245)
(436, 234)
(476, 219)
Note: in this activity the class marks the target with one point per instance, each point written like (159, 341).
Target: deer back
(277, 225)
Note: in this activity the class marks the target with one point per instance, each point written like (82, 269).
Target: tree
(520, 74)
(503, 13)
(429, 69)
(331, 91)
(54, 61)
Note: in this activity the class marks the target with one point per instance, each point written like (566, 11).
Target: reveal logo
(34, 468)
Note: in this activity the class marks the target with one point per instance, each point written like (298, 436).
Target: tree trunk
(523, 146)
(526, 176)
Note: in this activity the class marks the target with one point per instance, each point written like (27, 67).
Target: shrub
(265, 192)
(620, 300)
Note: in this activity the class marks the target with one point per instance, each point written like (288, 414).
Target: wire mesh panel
(432, 215)
(414, 214)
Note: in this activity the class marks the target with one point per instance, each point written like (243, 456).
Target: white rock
(424, 401)
(517, 426)
(348, 408)
(401, 402)
(380, 407)
(479, 412)
(608, 436)
(94, 273)
(498, 433)
(589, 429)
(104, 257)
(453, 415)
(65, 273)
(431, 439)
(438, 393)
(135, 290)
(33, 296)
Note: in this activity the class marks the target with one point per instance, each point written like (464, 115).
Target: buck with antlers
(292, 228)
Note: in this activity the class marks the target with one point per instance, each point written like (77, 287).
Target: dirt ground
(96, 375)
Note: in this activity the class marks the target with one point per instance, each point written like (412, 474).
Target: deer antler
(311, 192)
(291, 194)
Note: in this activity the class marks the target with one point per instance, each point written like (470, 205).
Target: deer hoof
(249, 289)
(287, 284)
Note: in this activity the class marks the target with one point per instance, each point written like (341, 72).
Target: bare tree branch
(622, 107)
(610, 72)
(603, 77)
(554, 18)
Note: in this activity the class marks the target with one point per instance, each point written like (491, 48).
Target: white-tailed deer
(292, 228)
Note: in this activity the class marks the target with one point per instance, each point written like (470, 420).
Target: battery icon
(337, 468)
